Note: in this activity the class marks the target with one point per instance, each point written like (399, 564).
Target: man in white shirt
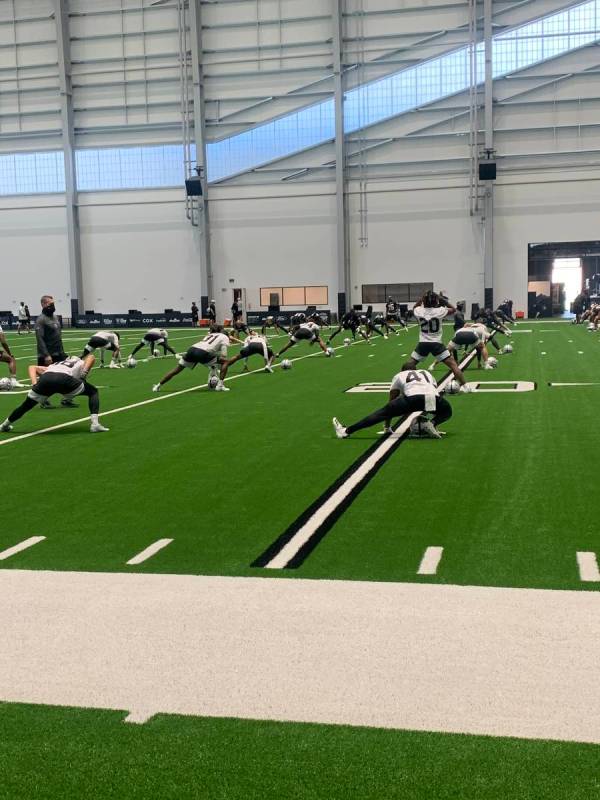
(410, 391)
(306, 332)
(211, 352)
(153, 338)
(104, 340)
(67, 377)
(430, 313)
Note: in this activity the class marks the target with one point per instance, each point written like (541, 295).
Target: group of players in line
(413, 389)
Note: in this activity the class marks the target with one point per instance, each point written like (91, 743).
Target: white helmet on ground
(492, 362)
(131, 362)
(453, 387)
(5, 384)
(286, 364)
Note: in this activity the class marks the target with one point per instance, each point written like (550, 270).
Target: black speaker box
(193, 187)
(487, 170)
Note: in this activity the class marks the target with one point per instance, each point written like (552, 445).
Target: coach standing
(50, 348)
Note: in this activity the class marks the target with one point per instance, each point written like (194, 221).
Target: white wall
(138, 251)
(34, 253)
(264, 241)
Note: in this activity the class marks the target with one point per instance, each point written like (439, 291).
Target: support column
(342, 238)
(488, 209)
(61, 18)
(206, 272)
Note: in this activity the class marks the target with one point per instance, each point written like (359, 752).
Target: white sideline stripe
(430, 561)
(588, 567)
(314, 522)
(165, 396)
(149, 551)
(17, 548)
(576, 384)
(520, 331)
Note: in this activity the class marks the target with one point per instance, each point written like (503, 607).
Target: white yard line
(588, 567)
(149, 551)
(430, 561)
(457, 659)
(18, 548)
(157, 399)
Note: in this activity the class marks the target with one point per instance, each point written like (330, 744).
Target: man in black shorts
(254, 345)
(104, 340)
(306, 332)
(210, 352)
(430, 313)
(66, 377)
(153, 338)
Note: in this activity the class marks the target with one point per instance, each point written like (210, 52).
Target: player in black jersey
(349, 322)
(369, 326)
(273, 322)
(393, 314)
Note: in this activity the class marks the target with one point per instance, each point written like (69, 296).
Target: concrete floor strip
(430, 657)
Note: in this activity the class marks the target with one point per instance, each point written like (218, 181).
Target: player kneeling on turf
(211, 351)
(411, 390)
(153, 338)
(254, 345)
(104, 340)
(306, 332)
(68, 378)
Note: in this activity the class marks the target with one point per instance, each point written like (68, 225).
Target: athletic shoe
(46, 404)
(68, 404)
(6, 426)
(466, 389)
(156, 387)
(428, 430)
(268, 368)
(385, 337)
(221, 387)
(96, 427)
(113, 365)
(15, 384)
(340, 431)
(487, 366)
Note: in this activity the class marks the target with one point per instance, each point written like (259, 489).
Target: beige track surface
(505, 662)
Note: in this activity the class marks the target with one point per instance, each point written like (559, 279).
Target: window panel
(265, 295)
(293, 296)
(317, 295)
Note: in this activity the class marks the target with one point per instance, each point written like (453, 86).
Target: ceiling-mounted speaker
(193, 187)
(487, 170)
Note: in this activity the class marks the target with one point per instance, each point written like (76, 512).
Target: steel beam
(206, 270)
(488, 116)
(61, 18)
(342, 238)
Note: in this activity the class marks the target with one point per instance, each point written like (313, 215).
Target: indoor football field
(243, 511)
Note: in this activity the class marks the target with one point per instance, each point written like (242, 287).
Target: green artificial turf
(56, 754)
(506, 493)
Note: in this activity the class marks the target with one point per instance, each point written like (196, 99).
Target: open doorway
(567, 274)
(558, 272)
